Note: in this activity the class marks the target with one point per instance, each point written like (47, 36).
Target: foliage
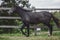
(10, 3)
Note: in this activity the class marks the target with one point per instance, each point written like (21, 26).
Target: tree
(10, 3)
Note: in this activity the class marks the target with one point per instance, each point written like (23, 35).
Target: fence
(2, 8)
(6, 26)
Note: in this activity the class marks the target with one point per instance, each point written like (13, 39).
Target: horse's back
(37, 17)
(39, 14)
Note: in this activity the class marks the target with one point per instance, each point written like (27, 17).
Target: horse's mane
(26, 10)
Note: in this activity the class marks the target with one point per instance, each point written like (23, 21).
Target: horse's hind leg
(50, 29)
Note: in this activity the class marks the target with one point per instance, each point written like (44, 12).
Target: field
(41, 36)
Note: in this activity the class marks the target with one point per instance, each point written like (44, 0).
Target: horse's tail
(56, 20)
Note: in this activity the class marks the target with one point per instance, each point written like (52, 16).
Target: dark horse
(29, 17)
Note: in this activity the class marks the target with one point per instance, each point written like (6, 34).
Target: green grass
(41, 36)
(30, 38)
(3, 38)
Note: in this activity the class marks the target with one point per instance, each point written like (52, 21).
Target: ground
(30, 38)
(41, 36)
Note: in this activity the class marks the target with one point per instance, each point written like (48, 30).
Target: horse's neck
(21, 12)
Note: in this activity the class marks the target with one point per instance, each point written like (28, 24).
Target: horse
(28, 17)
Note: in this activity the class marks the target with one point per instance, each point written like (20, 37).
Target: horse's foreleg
(28, 30)
(23, 26)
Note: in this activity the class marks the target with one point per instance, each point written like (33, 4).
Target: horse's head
(14, 9)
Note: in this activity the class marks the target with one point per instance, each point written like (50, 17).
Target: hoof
(27, 36)
(49, 35)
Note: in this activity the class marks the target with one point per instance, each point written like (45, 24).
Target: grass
(41, 36)
(3, 38)
(30, 38)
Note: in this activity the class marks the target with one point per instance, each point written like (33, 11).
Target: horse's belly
(40, 20)
(35, 21)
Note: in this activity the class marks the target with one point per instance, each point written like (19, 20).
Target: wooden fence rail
(5, 8)
(10, 18)
(8, 26)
